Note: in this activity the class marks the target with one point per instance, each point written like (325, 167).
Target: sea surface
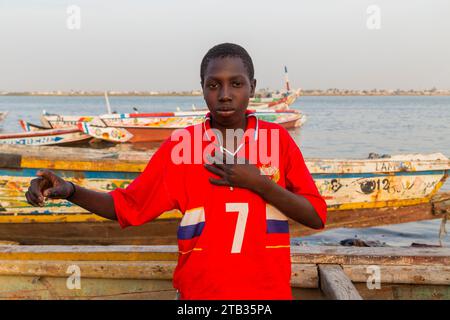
(336, 127)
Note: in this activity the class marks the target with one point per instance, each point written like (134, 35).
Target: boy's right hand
(47, 186)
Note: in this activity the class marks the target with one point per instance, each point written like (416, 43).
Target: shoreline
(415, 94)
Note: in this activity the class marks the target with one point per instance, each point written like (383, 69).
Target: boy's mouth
(225, 111)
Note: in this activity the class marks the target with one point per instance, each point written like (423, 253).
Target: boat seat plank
(370, 255)
(301, 254)
(336, 285)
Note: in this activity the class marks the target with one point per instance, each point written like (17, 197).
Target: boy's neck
(231, 145)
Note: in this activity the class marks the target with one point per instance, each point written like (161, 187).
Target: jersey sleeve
(147, 196)
(300, 181)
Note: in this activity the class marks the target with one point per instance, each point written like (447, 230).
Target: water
(337, 127)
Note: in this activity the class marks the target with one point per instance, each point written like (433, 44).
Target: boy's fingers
(35, 189)
(219, 182)
(216, 171)
(32, 200)
(46, 174)
(53, 193)
(48, 192)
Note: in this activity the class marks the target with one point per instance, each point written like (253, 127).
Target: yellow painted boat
(359, 193)
(145, 272)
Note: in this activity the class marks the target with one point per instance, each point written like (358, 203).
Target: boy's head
(227, 78)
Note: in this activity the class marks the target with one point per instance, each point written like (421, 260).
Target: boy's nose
(225, 94)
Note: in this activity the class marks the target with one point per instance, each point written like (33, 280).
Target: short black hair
(227, 50)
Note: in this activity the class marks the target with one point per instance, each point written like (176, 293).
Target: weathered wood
(158, 232)
(303, 275)
(335, 284)
(301, 254)
(31, 287)
(144, 270)
(404, 292)
(90, 253)
(370, 255)
(430, 275)
(40, 272)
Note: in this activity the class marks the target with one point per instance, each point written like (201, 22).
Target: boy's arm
(100, 203)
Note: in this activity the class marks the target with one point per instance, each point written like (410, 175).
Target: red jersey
(232, 244)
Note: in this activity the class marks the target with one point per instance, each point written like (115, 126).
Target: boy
(234, 237)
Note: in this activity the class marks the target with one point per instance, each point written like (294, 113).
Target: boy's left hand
(236, 172)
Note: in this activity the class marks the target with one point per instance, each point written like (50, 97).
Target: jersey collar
(250, 134)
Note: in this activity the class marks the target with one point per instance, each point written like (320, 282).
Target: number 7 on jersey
(242, 210)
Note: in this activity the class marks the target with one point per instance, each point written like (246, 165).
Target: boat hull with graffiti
(358, 193)
(46, 137)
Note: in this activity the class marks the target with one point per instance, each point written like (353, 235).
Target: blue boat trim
(375, 175)
(26, 172)
(73, 174)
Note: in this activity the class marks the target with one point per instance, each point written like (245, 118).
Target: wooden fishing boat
(31, 127)
(154, 127)
(142, 128)
(359, 193)
(46, 137)
(146, 272)
(110, 134)
(275, 102)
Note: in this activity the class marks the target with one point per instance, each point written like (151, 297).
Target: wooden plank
(335, 284)
(301, 254)
(370, 255)
(430, 275)
(143, 270)
(303, 275)
(158, 232)
(28, 287)
(404, 292)
(90, 253)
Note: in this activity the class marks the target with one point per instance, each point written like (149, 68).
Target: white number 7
(242, 210)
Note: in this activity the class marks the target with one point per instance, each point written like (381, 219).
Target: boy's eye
(237, 83)
(212, 85)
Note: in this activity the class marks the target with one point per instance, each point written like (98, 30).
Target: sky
(158, 45)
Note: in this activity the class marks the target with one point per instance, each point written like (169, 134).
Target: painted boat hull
(146, 272)
(152, 134)
(358, 193)
(86, 229)
(46, 137)
(110, 134)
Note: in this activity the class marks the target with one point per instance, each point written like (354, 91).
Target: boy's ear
(253, 87)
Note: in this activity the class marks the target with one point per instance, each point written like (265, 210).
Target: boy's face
(227, 90)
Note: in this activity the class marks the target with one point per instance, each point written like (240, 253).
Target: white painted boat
(45, 137)
(105, 133)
